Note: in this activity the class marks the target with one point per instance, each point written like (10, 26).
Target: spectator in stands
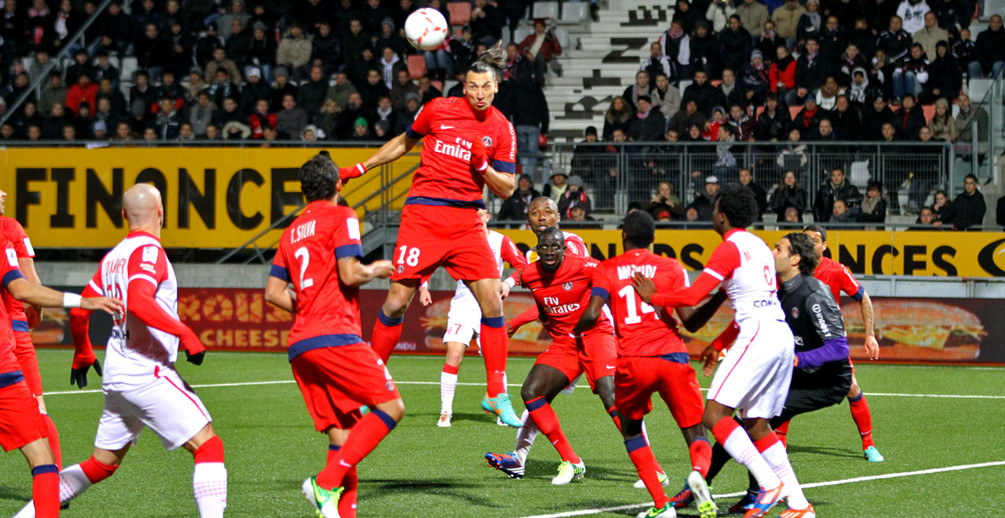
(942, 124)
(351, 112)
(940, 205)
(403, 85)
(810, 23)
(528, 109)
(29, 116)
(665, 201)
(925, 221)
(755, 79)
(253, 90)
(225, 23)
(703, 202)
(729, 92)
(665, 97)
(827, 95)
(152, 51)
(34, 132)
(373, 89)
(807, 120)
(222, 88)
(233, 123)
(789, 194)
(786, 20)
(968, 209)
(811, 71)
(718, 13)
(262, 51)
(386, 113)
(767, 41)
(207, 41)
(909, 120)
(760, 195)
(832, 39)
(641, 87)
(124, 133)
(658, 63)
(930, 34)
(281, 88)
(782, 74)
(389, 38)
(703, 93)
(676, 44)
(291, 120)
(52, 126)
(327, 119)
(913, 12)
(168, 120)
(220, 61)
(845, 121)
(69, 133)
(83, 123)
(262, 117)
(705, 51)
(294, 52)
(339, 92)
(873, 208)
(774, 121)
(311, 94)
(185, 133)
(7, 132)
(823, 133)
(586, 161)
(860, 92)
(486, 22)
(539, 48)
(850, 60)
(196, 84)
(895, 42)
(649, 124)
(83, 91)
(106, 114)
(989, 50)
(793, 156)
(841, 216)
(965, 119)
(964, 50)
(837, 188)
(752, 14)
(353, 41)
(874, 119)
(515, 207)
(238, 44)
(557, 185)
(736, 44)
(945, 76)
(462, 50)
(744, 127)
(687, 17)
(619, 116)
(390, 66)
(201, 114)
(81, 64)
(54, 93)
(909, 77)
(103, 68)
(573, 197)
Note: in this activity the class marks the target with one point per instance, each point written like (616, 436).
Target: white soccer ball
(426, 28)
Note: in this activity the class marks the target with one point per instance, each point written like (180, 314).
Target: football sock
(774, 454)
(364, 438)
(863, 418)
(45, 490)
(542, 414)
(209, 478)
(386, 333)
(73, 481)
(701, 455)
(782, 430)
(613, 412)
(525, 436)
(448, 385)
(347, 502)
(492, 335)
(50, 428)
(719, 459)
(735, 440)
(645, 465)
(645, 434)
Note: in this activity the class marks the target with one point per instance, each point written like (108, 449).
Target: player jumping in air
(652, 358)
(561, 288)
(837, 276)
(141, 386)
(22, 425)
(464, 317)
(335, 369)
(468, 144)
(755, 374)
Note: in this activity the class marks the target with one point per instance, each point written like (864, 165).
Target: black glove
(195, 358)
(79, 376)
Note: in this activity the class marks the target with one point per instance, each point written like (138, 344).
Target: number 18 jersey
(327, 309)
(642, 330)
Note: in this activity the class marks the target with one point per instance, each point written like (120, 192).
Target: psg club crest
(795, 312)
(567, 286)
(487, 141)
(401, 268)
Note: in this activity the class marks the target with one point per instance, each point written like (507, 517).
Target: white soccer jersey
(746, 267)
(135, 351)
(464, 308)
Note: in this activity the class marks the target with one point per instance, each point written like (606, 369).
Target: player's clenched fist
(479, 155)
(348, 173)
(382, 268)
(101, 303)
(195, 352)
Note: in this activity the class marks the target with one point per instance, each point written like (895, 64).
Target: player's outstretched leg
(448, 382)
(736, 441)
(863, 420)
(664, 479)
(73, 481)
(645, 464)
(386, 334)
(494, 349)
(775, 455)
(544, 416)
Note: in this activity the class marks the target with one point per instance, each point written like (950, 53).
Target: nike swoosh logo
(344, 464)
(445, 127)
(610, 366)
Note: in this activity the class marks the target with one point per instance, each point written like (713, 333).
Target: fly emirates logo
(553, 306)
(460, 149)
(628, 271)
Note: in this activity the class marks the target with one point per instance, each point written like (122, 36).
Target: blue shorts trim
(10, 378)
(321, 342)
(445, 202)
(20, 326)
(681, 358)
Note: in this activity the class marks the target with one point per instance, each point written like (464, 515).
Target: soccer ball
(426, 28)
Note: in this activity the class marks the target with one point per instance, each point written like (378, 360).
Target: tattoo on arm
(867, 315)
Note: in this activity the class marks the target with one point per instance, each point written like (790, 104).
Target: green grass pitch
(422, 470)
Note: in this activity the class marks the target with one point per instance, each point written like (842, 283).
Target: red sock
(50, 428)
(863, 418)
(45, 490)
(765, 442)
(546, 420)
(386, 334)
(347, 503)
(613, 412)
(701, 455)
(495, 345)
(365, 436)
(450, 369)
(645, 465)
(96, 471)
(782, 431)
(210, 451)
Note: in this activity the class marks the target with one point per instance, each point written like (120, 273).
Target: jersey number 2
(409, 256)
(628, 292)
(305, 259)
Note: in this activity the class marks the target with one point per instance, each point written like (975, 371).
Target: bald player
(141, 386)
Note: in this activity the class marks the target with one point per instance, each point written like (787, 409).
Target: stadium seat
(929, 111)
(562, 35)
(522, 32)
(129, 66)
(992, 7)
(574, 13)
(978, 89)
(794, 110)
(547, 10)
(416, 66)
(460, 13)
(859, 173)
(437, 85)
(977, 28)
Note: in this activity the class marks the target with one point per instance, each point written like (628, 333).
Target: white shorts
(167, 405)
(754, 376)
(464, 320)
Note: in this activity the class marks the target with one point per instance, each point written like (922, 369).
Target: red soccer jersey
(327, 310)
(15, 235)
(564, 294)
(9, 271)
(642, 329)
(838, 278)
(448, 125)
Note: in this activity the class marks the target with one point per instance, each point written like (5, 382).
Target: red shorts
(20, 421)
(593, 354)
(24, 350)
(336, 381)
(638, 377)
(450, 237)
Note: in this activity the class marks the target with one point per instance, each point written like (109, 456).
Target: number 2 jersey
(327, 309)
(642, 330)
(563, 295)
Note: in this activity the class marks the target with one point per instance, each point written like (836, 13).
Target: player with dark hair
(468, 144)
(561, 285)
(652, 357)
(837, 276)
(754, 377)
(319, 254)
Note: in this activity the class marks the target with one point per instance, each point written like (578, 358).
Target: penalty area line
(614, 509)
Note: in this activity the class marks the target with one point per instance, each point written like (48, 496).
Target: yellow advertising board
(943, 254)
(213, 197)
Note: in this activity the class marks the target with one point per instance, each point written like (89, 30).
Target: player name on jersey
(304, 231)
(628, 271)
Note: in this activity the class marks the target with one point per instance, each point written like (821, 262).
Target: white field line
(466, 384)
(619, 508)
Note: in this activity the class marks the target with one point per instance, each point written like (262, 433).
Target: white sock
(448, 385)
(72, 482)
(209, 484)
(525, 436)
(778, 459)
(743, 451)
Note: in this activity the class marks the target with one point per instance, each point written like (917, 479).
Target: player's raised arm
(724, 260)
(389, 152)
(502, 183)
(39, 295)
